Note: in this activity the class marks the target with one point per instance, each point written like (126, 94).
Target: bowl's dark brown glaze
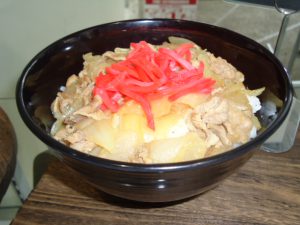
(48, 70)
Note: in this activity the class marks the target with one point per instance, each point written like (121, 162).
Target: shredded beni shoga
(156, 104)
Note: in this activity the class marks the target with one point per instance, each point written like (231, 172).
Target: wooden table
(264, 191)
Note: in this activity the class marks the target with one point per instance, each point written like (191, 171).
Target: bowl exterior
(49, 70)
(164, 185)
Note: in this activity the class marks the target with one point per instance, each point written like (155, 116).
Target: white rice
(254, 102)
(256, 106)
(62, 88)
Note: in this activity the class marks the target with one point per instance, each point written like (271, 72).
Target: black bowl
(49, 69)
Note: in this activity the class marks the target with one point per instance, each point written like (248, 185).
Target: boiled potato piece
(134, 123)
(160, 107)
(193, 100)
(193, 148)
(131, 107)
(170, 126)
(165, 150)
(184, 148)
(102, 133)
(125, 146)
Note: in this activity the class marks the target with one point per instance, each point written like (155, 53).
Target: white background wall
(26, 27)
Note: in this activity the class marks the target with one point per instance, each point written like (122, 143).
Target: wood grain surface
(8, 149)
(264, 191)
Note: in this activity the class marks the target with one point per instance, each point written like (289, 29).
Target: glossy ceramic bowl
(49, 69)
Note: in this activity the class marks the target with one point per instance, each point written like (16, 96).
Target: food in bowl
(156, 104)
(42, 78)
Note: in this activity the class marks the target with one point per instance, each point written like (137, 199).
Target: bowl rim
(139, 167)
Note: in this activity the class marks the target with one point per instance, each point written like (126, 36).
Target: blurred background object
(8, 154)
(172, 9)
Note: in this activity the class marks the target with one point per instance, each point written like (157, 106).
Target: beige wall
(26, 27)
